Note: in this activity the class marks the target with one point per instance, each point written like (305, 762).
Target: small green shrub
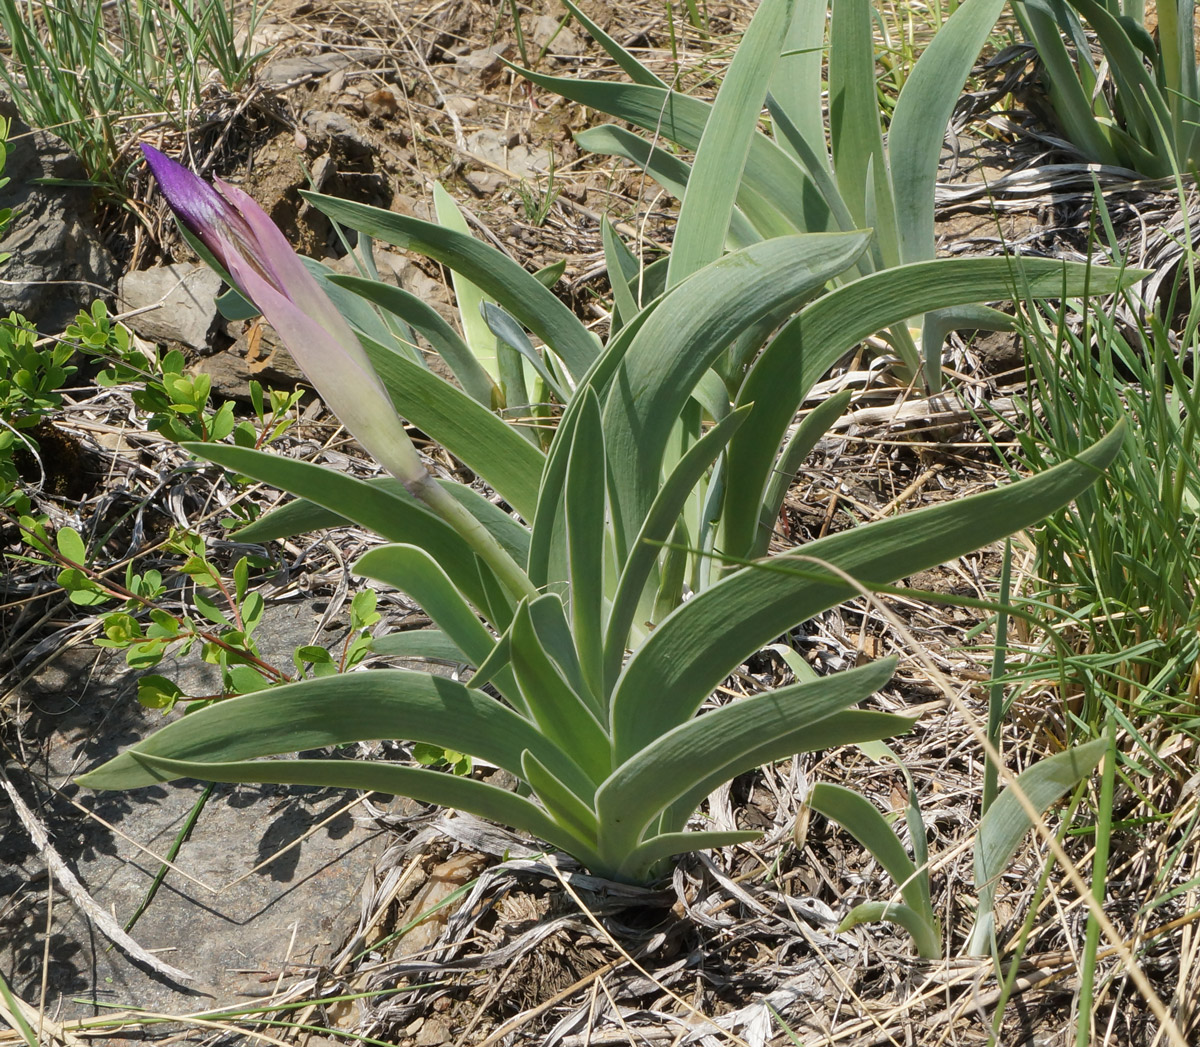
(31, 373)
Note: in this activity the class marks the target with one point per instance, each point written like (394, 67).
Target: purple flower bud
(270, 274)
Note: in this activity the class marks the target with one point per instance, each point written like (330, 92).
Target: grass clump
(1119, 567)
(1118, 588)
(95, 73)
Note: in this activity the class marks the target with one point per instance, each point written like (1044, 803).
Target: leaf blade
(508, 462)
(922, 112)
(585, 507)
(683, 337)
(337, 710)
(397, 516)
(420, 315)
(712, 187)
(830, 326)
(412, 570)
(751, 607)
(720, 743)
(492, 271)
(862, 820)
(1004, 826)
(446, 790)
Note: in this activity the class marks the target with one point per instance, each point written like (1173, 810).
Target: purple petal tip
(197, 204)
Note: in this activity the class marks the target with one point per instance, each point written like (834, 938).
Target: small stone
(171, 303)
(484, 182)
(351, 102)
(323, 170)
(461, 105)
(298, 68)
(519, 160)
(256, 354)
(382, 104)
(435, 1031)
(339, 131)
(403, 203)
(1000, 352)
(484, 65)
(562, 41)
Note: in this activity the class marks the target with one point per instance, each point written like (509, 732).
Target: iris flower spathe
(270, 274)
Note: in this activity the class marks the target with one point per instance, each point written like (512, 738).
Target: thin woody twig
(107, 924)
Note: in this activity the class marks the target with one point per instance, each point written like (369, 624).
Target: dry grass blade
(1117, 941)
(527, 1016)
(104, 920)
(689, 1008)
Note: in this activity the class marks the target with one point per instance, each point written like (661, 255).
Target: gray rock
(562, 41)
(58, 263)
(338, 133)
(403, 272)
(249, 911)
(485, 181)
(519, 160)
(484, 64)
(269, 363)
(299, 68)
(461, 105)
(171, 303)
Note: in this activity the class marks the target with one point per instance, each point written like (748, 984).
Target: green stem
(172, 854)
(478, 537)
(1087, 977)
(996, 702)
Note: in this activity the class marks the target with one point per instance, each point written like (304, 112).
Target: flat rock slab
(240, 909)
(58, 264)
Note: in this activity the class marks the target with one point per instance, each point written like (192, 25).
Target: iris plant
(589, 663)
